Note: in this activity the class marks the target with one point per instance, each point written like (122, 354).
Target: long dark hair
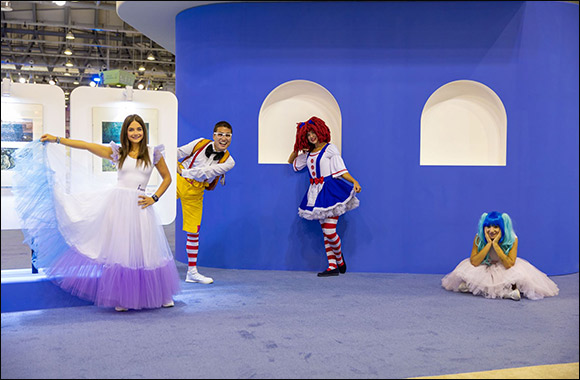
(143, 156)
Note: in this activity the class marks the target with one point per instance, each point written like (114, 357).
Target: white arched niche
(290, 103)
(463, 123)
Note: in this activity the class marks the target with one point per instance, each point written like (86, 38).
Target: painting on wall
(21, 124)
(110, 132)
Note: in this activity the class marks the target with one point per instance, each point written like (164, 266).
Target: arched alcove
(463, 123)
(288, 104)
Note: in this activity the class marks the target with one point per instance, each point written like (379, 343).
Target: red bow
(317, 180)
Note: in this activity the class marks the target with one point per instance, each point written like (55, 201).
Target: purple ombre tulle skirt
(99, 246)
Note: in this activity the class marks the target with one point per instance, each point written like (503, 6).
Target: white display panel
(93, 106)
(42, 107)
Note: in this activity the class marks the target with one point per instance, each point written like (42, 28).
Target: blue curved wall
(382, 61)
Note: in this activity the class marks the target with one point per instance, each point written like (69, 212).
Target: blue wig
(504, 222)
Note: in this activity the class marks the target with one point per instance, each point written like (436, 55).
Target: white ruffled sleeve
(337, 166)
(158, 152)
(300, 162)
(115, 154)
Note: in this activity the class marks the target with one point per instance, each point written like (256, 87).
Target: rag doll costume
(329, 194)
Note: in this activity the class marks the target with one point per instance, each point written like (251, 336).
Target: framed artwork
(21, 124)
(107, 123)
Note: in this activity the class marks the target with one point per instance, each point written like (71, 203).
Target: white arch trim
(289, 103)
(464, 123)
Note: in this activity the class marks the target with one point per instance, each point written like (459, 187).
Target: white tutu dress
(100, 246)
(495, 281)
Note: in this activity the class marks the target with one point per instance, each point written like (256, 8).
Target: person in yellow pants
(201, 164)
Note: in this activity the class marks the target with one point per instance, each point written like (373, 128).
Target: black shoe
(342, 268)
(328, 272)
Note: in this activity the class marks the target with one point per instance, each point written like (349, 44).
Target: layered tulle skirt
(100, 246)
(495, 281)
(334, 197)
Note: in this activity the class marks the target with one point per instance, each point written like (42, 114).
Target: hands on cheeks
(497, 238)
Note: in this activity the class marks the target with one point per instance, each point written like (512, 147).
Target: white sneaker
(119, 308)
(463, 288)
(514, 295)
(195, 276)
(169, 304)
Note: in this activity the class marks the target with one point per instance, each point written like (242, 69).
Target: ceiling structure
(34, 40)
(35, 46)
(138, 14)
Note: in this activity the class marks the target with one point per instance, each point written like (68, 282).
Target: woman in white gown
(107, 247)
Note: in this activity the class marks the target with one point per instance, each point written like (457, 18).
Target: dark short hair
(224, 124)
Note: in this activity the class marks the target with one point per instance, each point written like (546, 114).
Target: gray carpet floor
(292, 324)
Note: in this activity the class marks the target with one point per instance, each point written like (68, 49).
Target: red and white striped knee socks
(331, 242)
(192, 247)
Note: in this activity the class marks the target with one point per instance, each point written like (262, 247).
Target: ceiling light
(140, 86)
(6, 6)
(141, 68)
(151, 57)
(68, 51)
(59, 3)
(70, 35)
(69, 63)
(22, 80)
(52, 82)
(76, 82)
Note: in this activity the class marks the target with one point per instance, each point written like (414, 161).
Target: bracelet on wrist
(58, 140)
(155, 197)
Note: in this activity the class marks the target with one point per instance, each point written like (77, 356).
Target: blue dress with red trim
(328, 195)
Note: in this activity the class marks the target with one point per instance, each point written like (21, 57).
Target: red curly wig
(315, 125)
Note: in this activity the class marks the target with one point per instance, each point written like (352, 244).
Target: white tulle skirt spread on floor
(100, 245)
(495, 281)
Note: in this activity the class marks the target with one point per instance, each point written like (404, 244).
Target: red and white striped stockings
(192, 247)
(331, 242)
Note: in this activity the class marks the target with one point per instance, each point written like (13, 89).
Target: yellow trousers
(191, 197)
